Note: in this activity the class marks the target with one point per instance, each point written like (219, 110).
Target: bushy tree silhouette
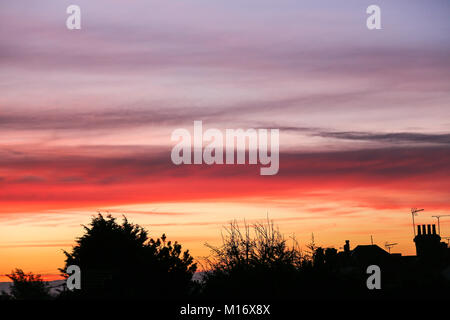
(120, 261)
(256, 262)
(27, 286)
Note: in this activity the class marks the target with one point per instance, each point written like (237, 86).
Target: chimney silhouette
(347, 246)
(428, 243)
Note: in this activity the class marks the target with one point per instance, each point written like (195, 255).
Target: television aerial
(414, 212)
(439, 222)
(388, 246)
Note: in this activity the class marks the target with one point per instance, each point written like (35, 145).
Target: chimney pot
(429, 228)
(419, 231)
(347, 246)
(424, 229)
(434, 229)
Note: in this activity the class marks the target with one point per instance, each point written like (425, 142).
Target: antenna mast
(439, 222)
(389, 246)
(414, 213)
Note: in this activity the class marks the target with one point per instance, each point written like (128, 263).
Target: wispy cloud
(398, 137)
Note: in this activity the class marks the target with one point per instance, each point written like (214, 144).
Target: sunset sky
(86, 118)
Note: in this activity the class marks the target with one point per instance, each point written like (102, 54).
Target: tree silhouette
(27, 286)
(255, 262)
(120, 261)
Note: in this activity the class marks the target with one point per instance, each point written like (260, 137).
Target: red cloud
(370, 176)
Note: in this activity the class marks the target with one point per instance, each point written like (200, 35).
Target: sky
(86, 118)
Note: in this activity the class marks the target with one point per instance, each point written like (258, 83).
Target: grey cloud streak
(398, 137)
